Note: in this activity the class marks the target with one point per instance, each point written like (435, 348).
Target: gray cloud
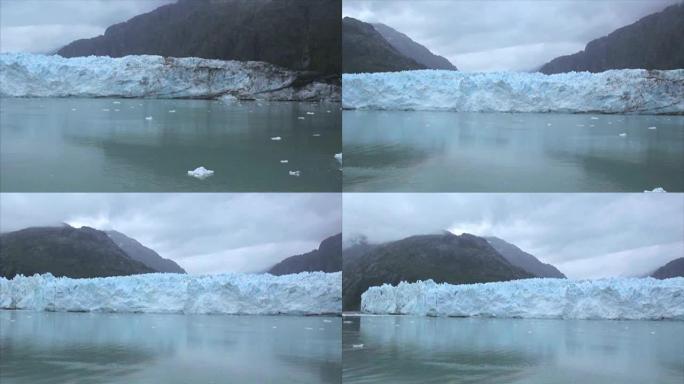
(204, 233)
(503, 35)
(584, 235)
(41, 26)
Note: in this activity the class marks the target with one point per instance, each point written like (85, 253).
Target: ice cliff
(31, 75)
(307, 293)
(615, 298)
(615, 91)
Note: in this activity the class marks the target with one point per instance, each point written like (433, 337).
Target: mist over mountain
(446, 257)
(365, 50)
(674, 268)
(297, 34)
(409, 48)
(524, 260)
(141, 253)
(65, 251)
(327, 258)
(653, 42)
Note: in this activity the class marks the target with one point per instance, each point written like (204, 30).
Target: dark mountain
(64, 251)
(141, 253)
(327, 258)
(445, 258)
(409, 48)
(524, 260)
(654, 42)
(297, 34)
(674, 268)
(365, 50)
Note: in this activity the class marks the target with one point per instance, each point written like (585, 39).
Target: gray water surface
(108, 145)
(406, 349)
(47, 347)
(501, 152)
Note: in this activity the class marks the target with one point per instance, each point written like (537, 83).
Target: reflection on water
(45, 347)
(499, 152)
(109, 145)
(406, 349)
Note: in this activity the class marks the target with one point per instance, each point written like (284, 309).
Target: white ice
(614, 298)
(338, 157)
(656, 189)
(295, 173)
(307, 293)
(276, 138)
(200, 173)
(615, 91)
(35, 75)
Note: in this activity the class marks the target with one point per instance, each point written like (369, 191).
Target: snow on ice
(306, 293)
(33, 75)
(615, 91)
(200, 173)
(614, 298)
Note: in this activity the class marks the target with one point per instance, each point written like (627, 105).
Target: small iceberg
(316, 135)
(200, 173)
(338, 157)
(116, 102)
(295, 173)
(357, 346)
(172, 111)
(148, 118)
(310, 113)
(105, 109)
(301, 117)
(656, 190)
(622, 134)
(276, 138)
(594, 118)
(284, 161)
(652, 128)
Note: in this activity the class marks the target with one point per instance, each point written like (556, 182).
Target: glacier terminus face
(634, 91)
(148, 76)
(614, 298)
(306, 293)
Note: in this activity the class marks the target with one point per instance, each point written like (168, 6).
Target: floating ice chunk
(172, 111)
(276, 138)
(328, 111)
(657, 190)
(594, 118)
(148, 118)
(348, 322)
(116, 102)
(338, 157)
(316, 135)
(284, 161)
(327, 321)
(105, 109)
(301, 117)
(307, 293)
(200, 173)
(652, 128)
(310, 113)
(295, 173)
(622, 134)
(614, 298)
(357, 346)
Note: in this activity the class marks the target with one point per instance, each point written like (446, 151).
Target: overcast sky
(583, 235)
(503, 35)
(204, 233)
(42, 26)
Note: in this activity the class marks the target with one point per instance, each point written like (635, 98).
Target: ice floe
(200, 173)
(615, 91)
(307, 293)
(614, 298)
(656, 189)
(295, 173)
(35, 75)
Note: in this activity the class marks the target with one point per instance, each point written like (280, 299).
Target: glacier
(306, 293)
(613, 298)
(616, 91)
(148, 76)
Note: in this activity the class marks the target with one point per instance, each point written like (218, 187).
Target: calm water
(43, 347)
(403, 349)
(498, 152)
(97, 145)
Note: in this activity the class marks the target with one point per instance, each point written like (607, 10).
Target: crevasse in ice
(306, 293)
(614, 298)
(615, 91)
(33, 75)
